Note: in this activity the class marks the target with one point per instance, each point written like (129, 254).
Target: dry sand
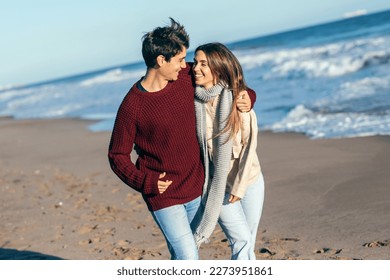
(325, 199)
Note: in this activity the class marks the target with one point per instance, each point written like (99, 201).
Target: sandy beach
(59, 199)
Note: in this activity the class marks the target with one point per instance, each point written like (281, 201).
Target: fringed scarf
(214, 189)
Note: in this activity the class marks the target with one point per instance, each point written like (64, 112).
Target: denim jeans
(175, 223)
(240, 221)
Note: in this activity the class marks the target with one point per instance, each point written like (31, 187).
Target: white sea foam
(98, 116)
(364, 95)
(355, 13)
(316, 67)
(29, 97)
(7, 87)
(112, 76)
(41, 105)
(365, 87)
(11, 94)
(329, 60)
(319, 125)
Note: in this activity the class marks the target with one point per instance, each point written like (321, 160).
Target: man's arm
(121, 145)
(246, 101)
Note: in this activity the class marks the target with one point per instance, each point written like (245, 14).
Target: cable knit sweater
(161, 127)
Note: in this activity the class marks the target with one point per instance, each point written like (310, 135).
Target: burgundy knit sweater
(161, 125)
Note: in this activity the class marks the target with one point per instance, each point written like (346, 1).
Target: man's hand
(163, 185)
(244, 102)
(234, 198)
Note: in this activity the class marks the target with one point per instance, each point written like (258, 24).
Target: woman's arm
(247, 168)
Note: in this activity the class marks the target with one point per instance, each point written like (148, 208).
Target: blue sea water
(326, 81)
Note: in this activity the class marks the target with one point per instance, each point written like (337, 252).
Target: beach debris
(120, 250)
(110, 231)
(85, 242)
(321, 251)
(383, 243)
(87, 229)
(328, 250)
(123, 243)
(266, 251)
(290, 239)
(141, 226)
(59, 204)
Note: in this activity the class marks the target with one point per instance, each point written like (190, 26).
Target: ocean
(325, 81)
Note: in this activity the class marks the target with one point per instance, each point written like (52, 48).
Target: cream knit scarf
(214, 188)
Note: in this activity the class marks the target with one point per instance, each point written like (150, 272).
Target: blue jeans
(175, 223)
(240, 221)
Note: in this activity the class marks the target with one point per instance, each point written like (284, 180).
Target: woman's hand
(234, 198)
(244, 102)
(163, 185)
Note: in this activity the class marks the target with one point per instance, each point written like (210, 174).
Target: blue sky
(48, 39)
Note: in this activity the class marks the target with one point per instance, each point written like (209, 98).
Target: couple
(195, 168)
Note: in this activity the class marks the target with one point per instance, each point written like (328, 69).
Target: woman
(234, 190)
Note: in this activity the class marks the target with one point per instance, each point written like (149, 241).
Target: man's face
(171, 69)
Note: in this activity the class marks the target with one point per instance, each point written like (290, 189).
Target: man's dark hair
(167, 41)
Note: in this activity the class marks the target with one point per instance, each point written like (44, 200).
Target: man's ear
(160, 60)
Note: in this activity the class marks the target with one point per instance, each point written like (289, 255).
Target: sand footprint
(383, 243)
(290, 239)
(328, 250)
(87, 229)
(267, 251)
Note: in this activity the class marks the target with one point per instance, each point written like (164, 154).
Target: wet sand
(59, 199)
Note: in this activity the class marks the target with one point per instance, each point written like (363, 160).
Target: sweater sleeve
(120, 148)
(248, 168)
(252, 96)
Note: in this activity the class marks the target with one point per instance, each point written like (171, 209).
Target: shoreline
(325, 198)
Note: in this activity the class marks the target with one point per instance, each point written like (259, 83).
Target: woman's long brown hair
(226, 70)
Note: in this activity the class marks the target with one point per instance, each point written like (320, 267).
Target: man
(157, 116)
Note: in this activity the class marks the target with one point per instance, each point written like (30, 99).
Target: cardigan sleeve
(247, 168)
(120, 148)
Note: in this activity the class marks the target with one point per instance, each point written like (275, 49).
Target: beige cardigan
(244, 166)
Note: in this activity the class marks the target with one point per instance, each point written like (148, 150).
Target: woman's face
(202, 71)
